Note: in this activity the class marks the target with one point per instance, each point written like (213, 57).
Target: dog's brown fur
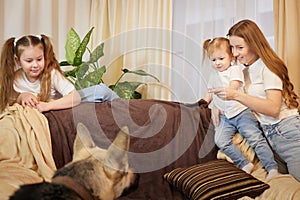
(104, 173)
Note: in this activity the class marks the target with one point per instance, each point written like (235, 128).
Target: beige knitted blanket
(25, 149)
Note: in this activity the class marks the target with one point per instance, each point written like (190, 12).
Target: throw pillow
(217, 179)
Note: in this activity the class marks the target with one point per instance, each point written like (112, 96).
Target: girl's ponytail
(7, 73)
(205, 49)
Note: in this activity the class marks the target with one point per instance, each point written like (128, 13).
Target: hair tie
(16, 40)
(39, 36)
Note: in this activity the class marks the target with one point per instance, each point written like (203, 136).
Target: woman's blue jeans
(284, 137)
(247, 125)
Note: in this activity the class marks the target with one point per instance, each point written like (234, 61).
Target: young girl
(235, 117)
(31, 76)
(270, 92)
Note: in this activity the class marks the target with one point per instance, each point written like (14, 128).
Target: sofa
(171, 144)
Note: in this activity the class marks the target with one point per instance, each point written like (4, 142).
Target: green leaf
(82, 70)
(125, 70)
(140, 72)
(81, 49)
(64, 63)
(101, 71)
(126, 90)
(85, 79)
(72, 44)
(71, 73)
(136, 95)
(80, 84)
(97, 53)
(94, 77)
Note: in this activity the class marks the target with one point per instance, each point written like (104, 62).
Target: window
(197, 20)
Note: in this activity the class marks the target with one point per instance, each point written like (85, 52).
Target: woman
(269, 93)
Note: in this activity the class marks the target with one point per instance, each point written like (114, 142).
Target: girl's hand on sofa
(27, 99)
(68, 101)
(43, 106)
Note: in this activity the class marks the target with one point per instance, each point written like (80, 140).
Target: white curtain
(136, 35)
(197, 20)
(53, 18)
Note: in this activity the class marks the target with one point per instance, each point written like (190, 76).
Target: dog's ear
(83, 142)
(116, 158)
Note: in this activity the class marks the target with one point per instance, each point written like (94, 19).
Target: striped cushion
(217, 179)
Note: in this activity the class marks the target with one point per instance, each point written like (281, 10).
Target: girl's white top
(231, 108)
(60, 85)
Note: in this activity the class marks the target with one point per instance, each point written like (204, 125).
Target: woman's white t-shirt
(262, 79)
(60, 86)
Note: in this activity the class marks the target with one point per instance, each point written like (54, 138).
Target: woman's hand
(27, 99)
(224, 93)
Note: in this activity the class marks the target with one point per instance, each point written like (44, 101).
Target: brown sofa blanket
(164, 135)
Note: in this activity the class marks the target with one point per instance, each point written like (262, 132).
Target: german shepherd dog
(94, 173)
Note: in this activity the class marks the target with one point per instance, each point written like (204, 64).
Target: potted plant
(88, 73)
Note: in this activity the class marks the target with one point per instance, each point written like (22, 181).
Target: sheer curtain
(53, 18)
(136, 35)
(197, 20)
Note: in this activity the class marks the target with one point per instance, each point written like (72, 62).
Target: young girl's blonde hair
(253, 36)
(12, 49)
(211, 45)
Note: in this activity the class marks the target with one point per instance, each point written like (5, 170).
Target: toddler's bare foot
(272, 173)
